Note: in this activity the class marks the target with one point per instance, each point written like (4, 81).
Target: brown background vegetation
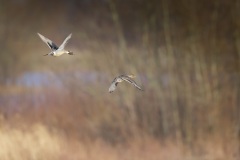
(185, 54)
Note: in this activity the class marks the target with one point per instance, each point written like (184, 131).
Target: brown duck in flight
(121, 78)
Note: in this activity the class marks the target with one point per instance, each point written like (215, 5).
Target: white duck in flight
(121, 78)
(56, 51)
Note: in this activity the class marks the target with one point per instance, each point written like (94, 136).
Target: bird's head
(131, 76)
(70, 52)
(110, 90)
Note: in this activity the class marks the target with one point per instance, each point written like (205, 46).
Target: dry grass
(36, 142)
(33, 143)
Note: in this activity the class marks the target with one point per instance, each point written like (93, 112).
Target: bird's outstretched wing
(127, 79)
(65, 42)
(50, 43)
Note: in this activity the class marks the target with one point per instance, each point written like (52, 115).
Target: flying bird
(121, 78)
(56, 51)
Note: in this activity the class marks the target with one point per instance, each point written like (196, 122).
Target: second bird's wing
(50, 43)
(127, 79)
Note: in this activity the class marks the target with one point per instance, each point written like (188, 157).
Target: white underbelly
(56, 54)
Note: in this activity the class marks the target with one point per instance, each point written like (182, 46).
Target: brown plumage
(121, 78)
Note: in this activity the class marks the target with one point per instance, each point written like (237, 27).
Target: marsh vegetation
(186, 54)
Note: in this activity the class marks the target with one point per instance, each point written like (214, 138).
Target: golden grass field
(38, 142)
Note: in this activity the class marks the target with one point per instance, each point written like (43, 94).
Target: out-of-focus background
(185, 54)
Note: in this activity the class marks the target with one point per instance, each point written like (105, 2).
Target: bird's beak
(132, 76)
